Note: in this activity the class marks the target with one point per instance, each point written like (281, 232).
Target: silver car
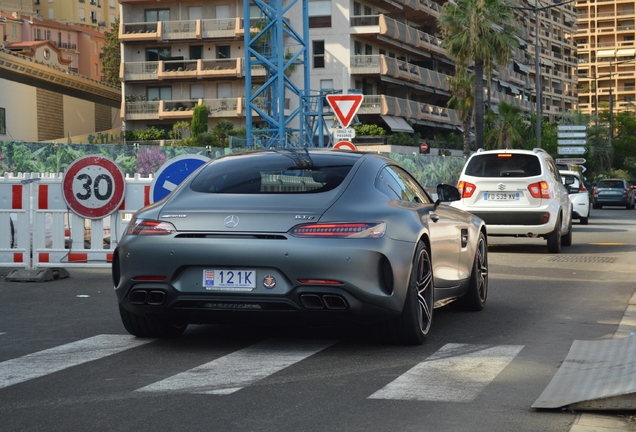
(300, 236)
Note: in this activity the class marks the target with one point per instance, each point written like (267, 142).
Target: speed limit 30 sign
(93, 187)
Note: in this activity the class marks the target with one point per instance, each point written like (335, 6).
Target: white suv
(518, 193)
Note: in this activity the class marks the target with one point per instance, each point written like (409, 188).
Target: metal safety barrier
(39, 230)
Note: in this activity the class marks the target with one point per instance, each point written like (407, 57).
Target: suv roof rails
(537, 150)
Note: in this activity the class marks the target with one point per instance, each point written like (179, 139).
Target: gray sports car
(310, 236)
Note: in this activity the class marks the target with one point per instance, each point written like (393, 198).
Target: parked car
(518, 193)
(579, 195)
(324, 236)
(613, 192)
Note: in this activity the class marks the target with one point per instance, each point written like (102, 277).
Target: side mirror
(446, 193)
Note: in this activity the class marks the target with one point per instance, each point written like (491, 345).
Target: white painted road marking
(64, 356)
(232, 372)
(455, 373)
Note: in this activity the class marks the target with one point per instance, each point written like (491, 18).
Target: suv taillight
(582, 188)
(539, 190)
(466, 190)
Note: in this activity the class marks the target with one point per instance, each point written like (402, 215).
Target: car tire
(596, 206)
(554, 238)
(584, 221)
(566, 240)
(148, 327)
(477, 293)
(412, 325)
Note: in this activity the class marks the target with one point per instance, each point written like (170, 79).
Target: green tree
(510, 126)
(199, 120)
(222, 130)
(112, 55)
(463, 101)
(483, 32)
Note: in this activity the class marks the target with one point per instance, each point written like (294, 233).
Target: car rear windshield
(273, 173)
(504, 165)
(615, 184)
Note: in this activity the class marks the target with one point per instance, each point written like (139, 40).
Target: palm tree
(482, 32)
(463, 101)
(510, 126)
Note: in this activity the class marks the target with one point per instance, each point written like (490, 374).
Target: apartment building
(179, 54)
(89, 13)
(557, 26)
(607, 66)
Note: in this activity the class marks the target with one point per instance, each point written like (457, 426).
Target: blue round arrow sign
(172, 173)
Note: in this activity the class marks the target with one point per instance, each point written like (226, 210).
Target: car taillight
(595, 191)
(582, 188)
(149, 227)
(340, 230)
(466, 190)
(539, 190)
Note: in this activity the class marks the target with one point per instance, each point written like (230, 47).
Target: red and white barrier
(48, 234)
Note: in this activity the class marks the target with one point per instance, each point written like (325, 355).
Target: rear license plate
(229, 280)
(501, 196)
(612, 193)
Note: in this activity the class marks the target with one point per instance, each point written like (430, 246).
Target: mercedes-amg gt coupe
(307, 236)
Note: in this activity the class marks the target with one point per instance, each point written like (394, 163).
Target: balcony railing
(182, 30)
(145, 110)
(173, 30)
(177, 69)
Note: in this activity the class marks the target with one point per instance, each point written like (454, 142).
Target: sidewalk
(607, 421)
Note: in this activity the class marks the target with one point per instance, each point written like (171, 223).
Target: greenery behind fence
(19, 157)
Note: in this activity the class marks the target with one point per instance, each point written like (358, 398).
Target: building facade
(89, 13)
(607, 65)
(176, 55)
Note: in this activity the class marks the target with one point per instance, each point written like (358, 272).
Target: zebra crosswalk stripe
(455, 373)
(52, 360)
(234, 371)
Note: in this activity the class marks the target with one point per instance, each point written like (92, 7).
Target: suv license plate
(229, 280)
(501, 196)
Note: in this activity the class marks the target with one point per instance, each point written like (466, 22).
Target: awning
(522, 67)
(605, 53)
(397, 124)
(625, 52)
(546, 62)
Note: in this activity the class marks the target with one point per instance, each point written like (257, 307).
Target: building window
(3, 122)
(51, 13)
(318, 56)
(196, 52)
(223, 51)
(319, 13)
(197, 91)
(326, 85)
(155, 15)
(14, 31)
(82, 15)
(156, 54)
(159, 93)
(357, 48)
(111, 4)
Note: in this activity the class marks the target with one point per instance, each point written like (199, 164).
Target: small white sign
(344, 134)
(572, 127)
(571, 134)
(570, 161)
(571, 150)
(572, 142)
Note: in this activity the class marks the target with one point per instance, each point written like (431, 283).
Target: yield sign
(345, 106)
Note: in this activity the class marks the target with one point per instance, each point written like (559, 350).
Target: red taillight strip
(149, 278)
(319, 282)
(340, 230)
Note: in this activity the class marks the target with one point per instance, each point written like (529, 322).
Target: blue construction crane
(265, 38)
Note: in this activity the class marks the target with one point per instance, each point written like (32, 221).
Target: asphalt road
(67, 364)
